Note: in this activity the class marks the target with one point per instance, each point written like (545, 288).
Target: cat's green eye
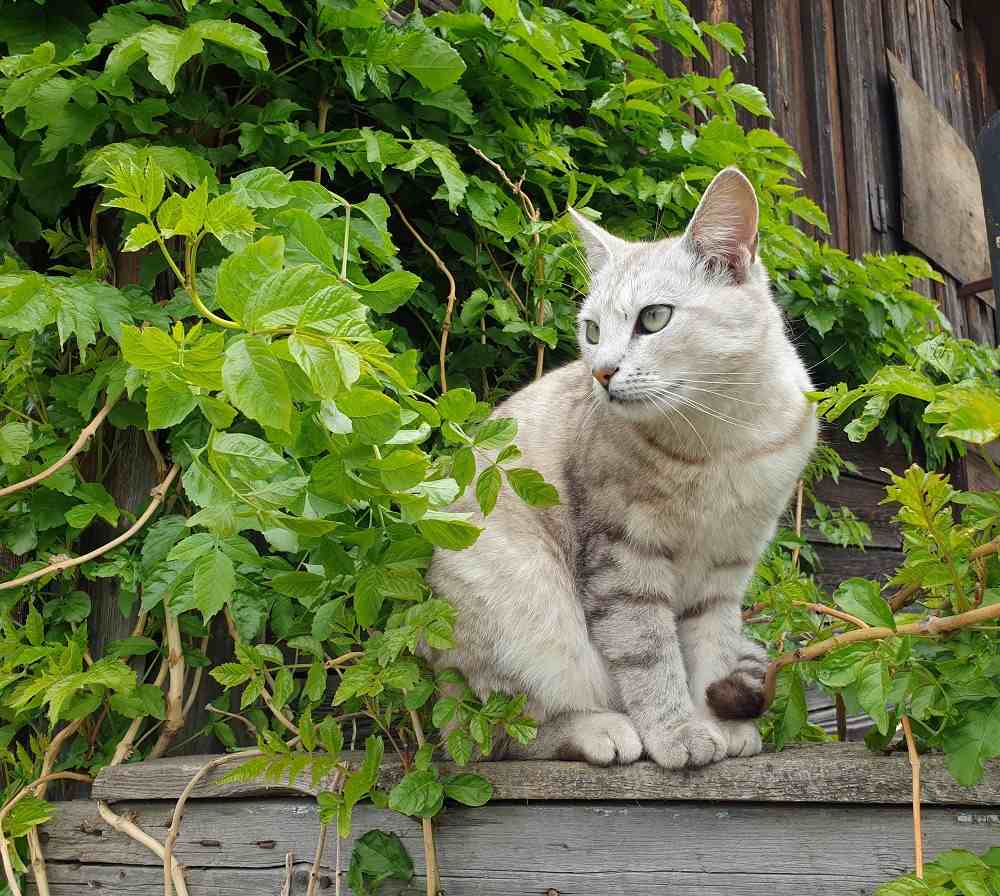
(592, 332)
(654, 318)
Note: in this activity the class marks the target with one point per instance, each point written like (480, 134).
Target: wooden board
(942, 205)
(239, 848)
(811, 773)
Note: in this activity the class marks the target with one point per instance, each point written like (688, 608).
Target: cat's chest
(687, 529)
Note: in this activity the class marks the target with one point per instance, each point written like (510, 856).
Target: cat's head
(673, 321)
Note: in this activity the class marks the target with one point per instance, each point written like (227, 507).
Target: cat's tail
(740, 695)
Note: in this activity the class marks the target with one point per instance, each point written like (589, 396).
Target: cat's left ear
(723, 230)
(601, 246)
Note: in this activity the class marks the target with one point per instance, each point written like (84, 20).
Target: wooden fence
(824, 66)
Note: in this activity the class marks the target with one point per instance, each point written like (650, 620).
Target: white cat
(675, 444)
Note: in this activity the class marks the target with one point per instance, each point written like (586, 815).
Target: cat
(675, 443)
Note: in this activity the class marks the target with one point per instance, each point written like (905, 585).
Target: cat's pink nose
(603, 375)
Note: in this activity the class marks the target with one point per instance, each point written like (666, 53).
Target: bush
(348, 221)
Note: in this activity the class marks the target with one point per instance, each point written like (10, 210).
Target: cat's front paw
(605, 738)
(742, 738)
(690, 744)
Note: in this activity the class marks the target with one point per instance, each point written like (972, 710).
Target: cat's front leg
(725, 671)
(638, 639)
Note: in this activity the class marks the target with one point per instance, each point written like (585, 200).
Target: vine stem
(452, 294)
(516, 187)
(317, 861)
(122, 751)
(130, 829)
(322, 112)
(178, 814)
(798, 521)
(8, 865)
(835, 614)
(124, 748)
(34, 841)
(156, 499)
(81, 442)
(430, 853)
(918, 837)
(175, 692)
(926, 628)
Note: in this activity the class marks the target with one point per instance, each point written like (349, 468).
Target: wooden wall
(822, 65)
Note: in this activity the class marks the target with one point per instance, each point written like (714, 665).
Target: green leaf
(213, 583)
(15, 441)
(456, 405)
(374, 415)
(378, 856)
(448, 531)
(496, 433)
(255, 382)
(460, 746)
(418, 794)
(432, 61)
(468, 789)
(402, 469)
(532, 488)
(873, 691)
(139, 237)
(389, 292)
(235, 36)
(488, 488)
(972, 742)
(241, 273)
(863, 598)
(330, 366)
(246, 457)
(167, 50)
(149, 348)
(28, 813)
(750, 98)
(168, 401)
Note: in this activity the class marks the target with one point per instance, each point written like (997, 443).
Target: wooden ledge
(814, 773)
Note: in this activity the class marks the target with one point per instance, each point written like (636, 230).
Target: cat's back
(548, 412)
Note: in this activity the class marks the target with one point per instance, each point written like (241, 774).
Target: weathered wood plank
(709, 849)
(822, 90)
(858, 163)
(843, 563)
(870, 456)
(942, 215)
(815, 773)
(863, 497)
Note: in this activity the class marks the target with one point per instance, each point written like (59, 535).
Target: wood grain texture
(864, 498)
(942, 215)
(843, 563)
(708, 849)
(817, 773)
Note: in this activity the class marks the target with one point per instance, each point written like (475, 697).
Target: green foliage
(955, 871)
(200, 230)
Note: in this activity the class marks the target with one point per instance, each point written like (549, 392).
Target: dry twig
(156, 499)
(798, 521)
(430, 853)
(130, 829)
(534, 216)
(77, 447)
(8, 865)
(175, 691)
(175, 822)
(317, 861)
(935, 625)
(452, 293)
(918, 837)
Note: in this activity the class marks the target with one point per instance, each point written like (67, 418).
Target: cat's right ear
(600, 245)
